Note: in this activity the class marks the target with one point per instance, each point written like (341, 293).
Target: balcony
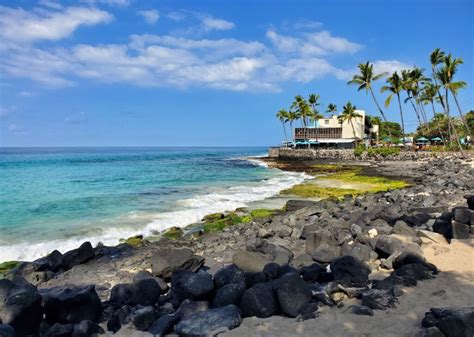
(317, 133)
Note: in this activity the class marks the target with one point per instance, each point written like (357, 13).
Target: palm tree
(408, 86)
(292, 116)
(417, 80)
(443, 76)
(282, 115)
(348, 114)
(451, 66)
(313, 102)
(364, 80)
(332, 109)
(395, 87)
(302, 110)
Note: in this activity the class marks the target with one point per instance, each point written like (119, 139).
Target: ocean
(57, 198)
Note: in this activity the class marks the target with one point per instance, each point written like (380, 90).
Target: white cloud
(210, 23)
(390, 66)
(25, 93)
(19, 25)
(122, 3)
(318, 43)
(151, 16)
(176, 16)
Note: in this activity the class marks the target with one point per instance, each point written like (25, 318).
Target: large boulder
(444, 228)
(259, 301)
(189, 285)
(163, 325)
(387, 245)
(460, 230)
(229, 294)
(71, 304)
(350, 271)
(166, 261)
(206, 322)
(325, 253)
(22, 309)
(77, 256)
(317, 238)
(452, 322)
(293, 294)
(230, 274)
(462, 215)
(358, 250)
(251, 262)
(144, 292)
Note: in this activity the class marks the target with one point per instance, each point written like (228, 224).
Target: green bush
(359, 149)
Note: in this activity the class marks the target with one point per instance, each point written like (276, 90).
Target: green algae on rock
(173, 233)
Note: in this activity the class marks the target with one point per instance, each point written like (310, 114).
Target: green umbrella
(436, 139)
(422, 139)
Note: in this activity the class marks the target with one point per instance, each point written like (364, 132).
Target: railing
(315, 133)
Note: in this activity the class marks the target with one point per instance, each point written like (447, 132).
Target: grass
(6, 266)
(343, 174)
(233, 219)
(262, 212)
(173, 233)
(134, 241)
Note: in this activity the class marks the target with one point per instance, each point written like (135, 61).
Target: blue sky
(204, 73)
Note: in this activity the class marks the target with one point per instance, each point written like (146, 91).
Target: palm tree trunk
(437, 124)
(440, 97)
(284, 130)
(381, 112)
(417, 115)
(353, 131)
(401, 117)
(452, 126)
(463, 119)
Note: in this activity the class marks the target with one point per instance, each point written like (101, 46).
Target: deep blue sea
(56, 198)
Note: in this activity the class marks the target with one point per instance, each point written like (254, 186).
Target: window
(339, 121)
(326, 122)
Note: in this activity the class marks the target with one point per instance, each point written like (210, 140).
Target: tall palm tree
(332, 109)
(313, 102)
(348, 114)
(292, 116)
(364, 80)
(282, 115)
(451, 65)
(417, 80)
(302, 110)
(407, 84)
(395, 87)
(443, 77)
(429, 94)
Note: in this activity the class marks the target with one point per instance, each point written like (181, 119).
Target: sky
(205, 73)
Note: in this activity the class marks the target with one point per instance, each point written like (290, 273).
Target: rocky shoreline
(357, 254)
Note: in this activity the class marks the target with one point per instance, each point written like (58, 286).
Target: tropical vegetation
(432, 97)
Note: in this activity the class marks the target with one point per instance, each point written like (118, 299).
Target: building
(333, 132)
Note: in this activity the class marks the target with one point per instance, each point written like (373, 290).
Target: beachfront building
(333, 132)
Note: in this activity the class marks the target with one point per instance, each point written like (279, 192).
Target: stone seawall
(348, 154)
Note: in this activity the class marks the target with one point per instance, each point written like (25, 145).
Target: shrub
(359, 150)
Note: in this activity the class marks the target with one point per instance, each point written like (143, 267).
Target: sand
(454, 286)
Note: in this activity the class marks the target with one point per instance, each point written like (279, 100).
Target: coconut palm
(332, 109)
(395, 87)
(408, 86)
(292, 116)
(282, 115)
(348, 114)
(365, 79)
(451, 65)
(436, 58)
(313, 102)
(302, 110)
(442, 76)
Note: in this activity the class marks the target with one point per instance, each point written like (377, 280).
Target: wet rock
(361, 310)
(229, 294)
(230, 274)
(78, 256)
(87, 329)
(292, 294)
(259, 301)
(250, 261)
(349, 271)
(378, 299)
(143, 317)
(163, 325)
(166, 261)
(451, 321)
(71, 304)
(22, 309)
(145, 292)
(189, 285)
(6, 330)
(189, 307)
(204, 323)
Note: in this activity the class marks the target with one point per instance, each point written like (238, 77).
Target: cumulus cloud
(19, 25)
(390, 66)
(122, 3)
(151, 16)
(168, 60)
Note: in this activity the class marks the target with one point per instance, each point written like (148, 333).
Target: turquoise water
(56, 198)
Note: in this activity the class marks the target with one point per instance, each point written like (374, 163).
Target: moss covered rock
(173, 233)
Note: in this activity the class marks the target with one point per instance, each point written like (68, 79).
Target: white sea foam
(188, 211)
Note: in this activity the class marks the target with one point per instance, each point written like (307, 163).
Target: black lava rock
(260, 301)
(229, 294)
(78, 256)
(292, 293)
(230, 274)
(145, 292)
(349, 271)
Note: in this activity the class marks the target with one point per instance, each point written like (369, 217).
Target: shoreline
(288, 238)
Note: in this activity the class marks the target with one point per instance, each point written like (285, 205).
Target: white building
(334, 132)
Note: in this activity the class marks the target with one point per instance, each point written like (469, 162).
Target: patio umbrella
(422, 139)
(436, 139)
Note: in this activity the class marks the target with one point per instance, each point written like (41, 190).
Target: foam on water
(188, 211)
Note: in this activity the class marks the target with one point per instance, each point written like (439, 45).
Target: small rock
(78, 256)
(378, 299)
(302, 261)
(189, 307)
(361, 310)
(166, 261)
(163, 325)
(230, 274)
(372, 233)
(143, 317)
(204, 323)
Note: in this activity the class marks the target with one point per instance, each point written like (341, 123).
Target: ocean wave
(190, 210)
